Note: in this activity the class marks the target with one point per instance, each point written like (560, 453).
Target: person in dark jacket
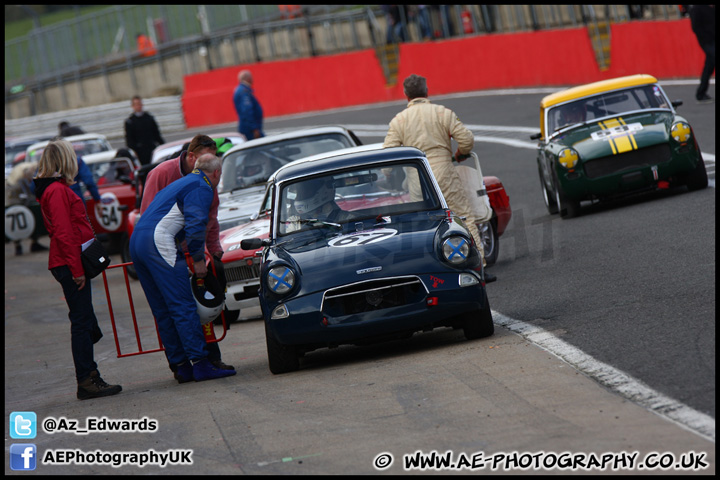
(702, 19)
(69, 229)
(249, 111)
(142, 133)
(67, 130)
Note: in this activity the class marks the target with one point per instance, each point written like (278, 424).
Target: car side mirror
(536, 136)
(676, 103)
(251, 243)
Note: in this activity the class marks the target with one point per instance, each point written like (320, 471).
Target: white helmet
(209, 296)
(313, 194)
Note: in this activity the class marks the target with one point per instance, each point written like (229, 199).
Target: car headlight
(680, 131)
(568, 158)
(281, 279)
(456, 249)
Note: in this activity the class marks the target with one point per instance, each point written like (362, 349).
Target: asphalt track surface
(605, 343)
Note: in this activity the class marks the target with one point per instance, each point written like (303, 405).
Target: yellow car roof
(596, 87)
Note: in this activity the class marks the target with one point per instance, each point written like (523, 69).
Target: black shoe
(704, 99)
(489, 277)
(94, 386)
(18, 250)
(36, 247)
(221, 365)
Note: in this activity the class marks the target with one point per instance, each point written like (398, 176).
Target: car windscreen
(606, 104)
(253, 166)
(81, 147)
(113, 172)
(355, 195)
(94, 145)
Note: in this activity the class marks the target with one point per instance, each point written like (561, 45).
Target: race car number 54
(111, 217)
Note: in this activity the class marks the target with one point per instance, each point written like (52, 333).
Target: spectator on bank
(142, 133)
(290, 11)
(145, 45)
(423, 19)
(395, 28)
(249, 111)
(67, 130)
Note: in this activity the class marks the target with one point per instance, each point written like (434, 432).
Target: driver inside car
(315, 201)
(572, 114)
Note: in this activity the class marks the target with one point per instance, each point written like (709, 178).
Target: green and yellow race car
(612, 138)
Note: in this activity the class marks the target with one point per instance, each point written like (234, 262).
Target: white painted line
(618, 381)
(507, 141)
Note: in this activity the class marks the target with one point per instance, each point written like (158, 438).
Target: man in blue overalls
(178, 212)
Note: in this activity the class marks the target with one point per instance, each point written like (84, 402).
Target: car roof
(306, 132)
(348, 157)
(596, 87)
(99, 157)
(27, 140)
(72, 138)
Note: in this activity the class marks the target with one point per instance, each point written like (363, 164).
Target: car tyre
(550, 202)
(697, 179)
(125, 254)
(566, 207)
(489, 237)
(479, 324)
(281, 358)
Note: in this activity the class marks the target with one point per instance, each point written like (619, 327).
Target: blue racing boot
(205, 370)
(184, 373)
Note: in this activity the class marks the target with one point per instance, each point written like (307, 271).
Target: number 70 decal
(363, 238)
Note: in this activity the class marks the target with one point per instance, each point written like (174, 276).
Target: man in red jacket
(174, 169)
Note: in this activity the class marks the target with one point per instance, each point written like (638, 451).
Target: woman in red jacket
(69, 228)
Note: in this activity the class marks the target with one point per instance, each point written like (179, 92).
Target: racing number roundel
(111, 216)
(19, 222)
(362, 238)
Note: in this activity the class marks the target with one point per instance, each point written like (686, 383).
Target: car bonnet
(616, 135)
(324, 259)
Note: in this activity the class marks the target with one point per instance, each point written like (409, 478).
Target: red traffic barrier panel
(208, 329)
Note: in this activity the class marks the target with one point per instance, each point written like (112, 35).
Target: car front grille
(373, 295)
(241, 271)
(613, 164)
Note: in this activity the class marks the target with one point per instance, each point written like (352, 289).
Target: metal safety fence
(206, 37)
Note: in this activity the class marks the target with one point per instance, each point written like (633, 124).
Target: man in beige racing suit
(430, 127)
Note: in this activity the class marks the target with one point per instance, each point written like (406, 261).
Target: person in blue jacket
(179, 212)
(85, 177)
(249, 111)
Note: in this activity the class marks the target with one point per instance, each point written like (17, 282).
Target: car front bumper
(440, 304)
(595, 180)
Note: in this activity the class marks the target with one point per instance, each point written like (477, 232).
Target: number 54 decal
(111, 216)
(363, 238)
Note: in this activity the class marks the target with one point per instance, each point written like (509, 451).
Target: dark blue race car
(363, 248)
